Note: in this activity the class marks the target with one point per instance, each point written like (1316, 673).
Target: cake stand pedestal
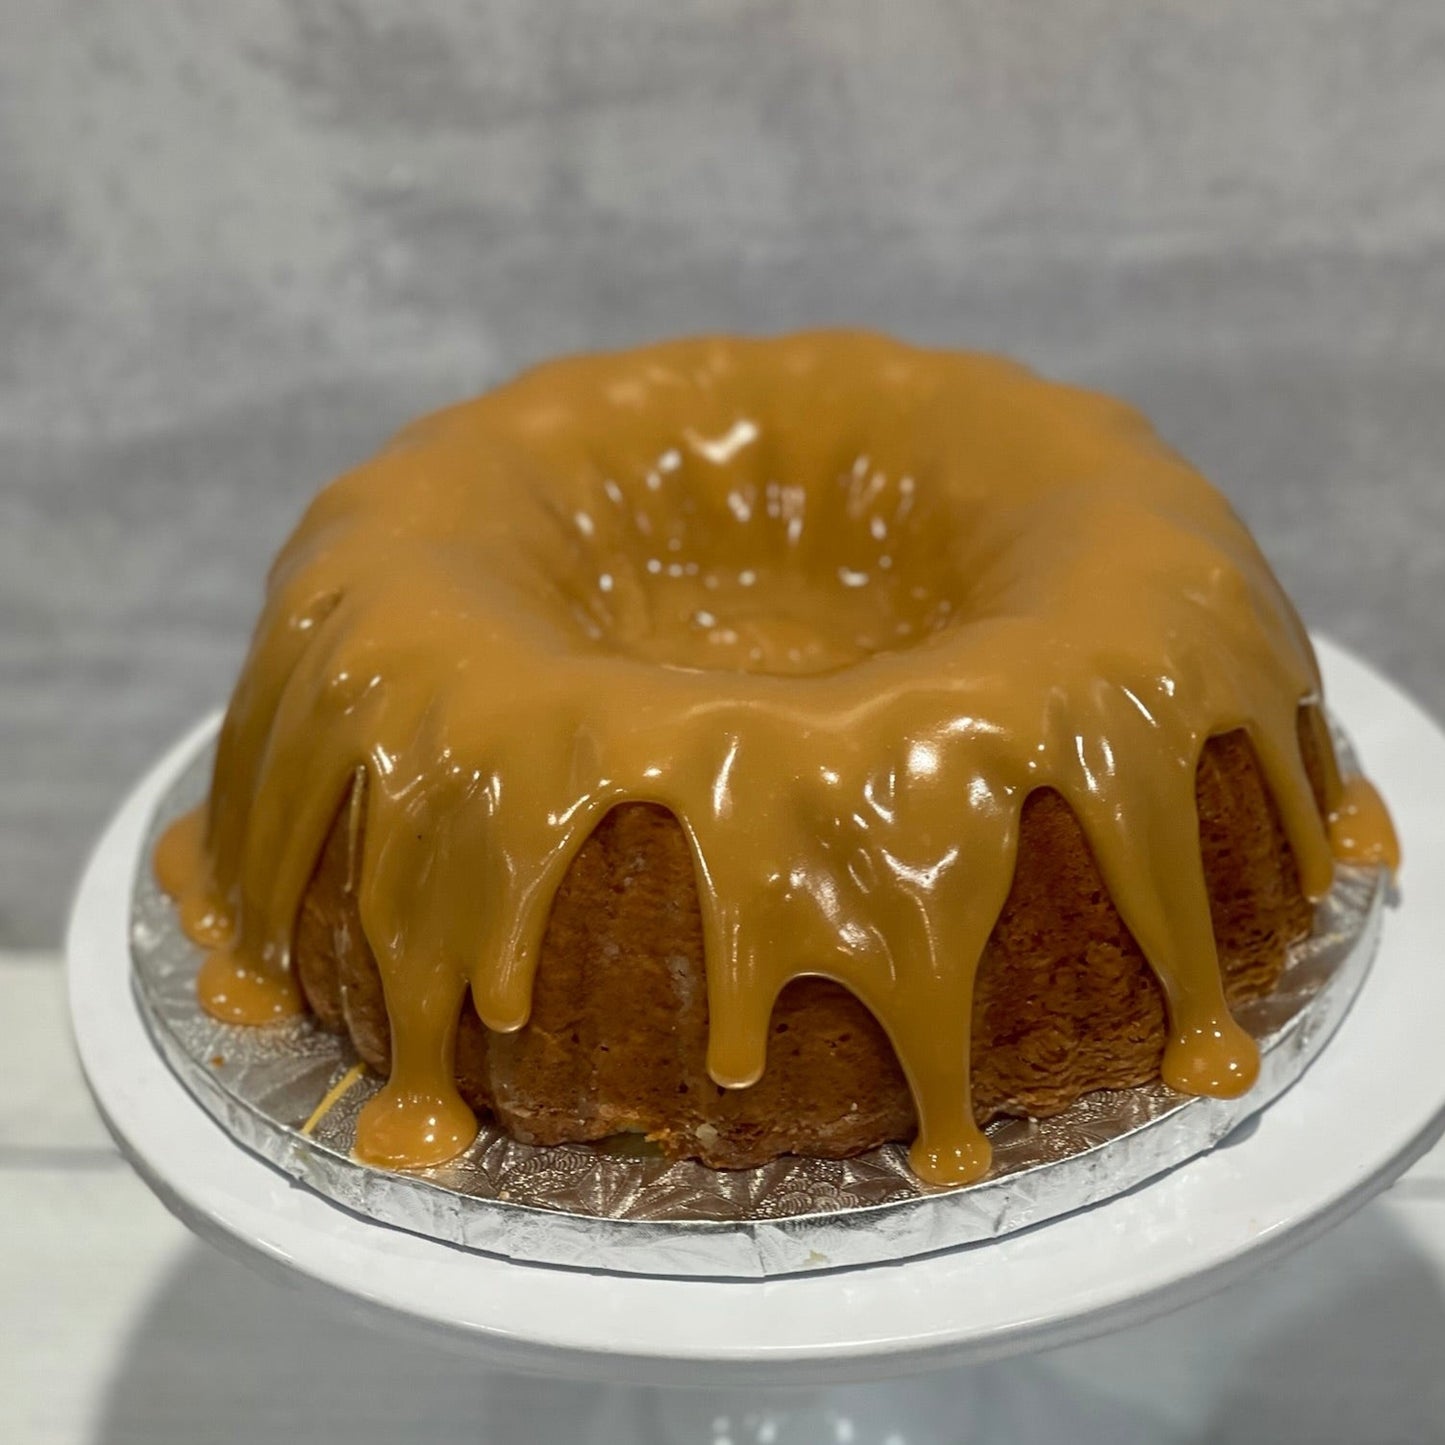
(697, 1359)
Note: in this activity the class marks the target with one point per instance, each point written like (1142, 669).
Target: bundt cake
(768, 746)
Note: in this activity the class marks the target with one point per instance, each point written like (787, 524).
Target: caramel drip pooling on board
(1360, 827)
(837, 603)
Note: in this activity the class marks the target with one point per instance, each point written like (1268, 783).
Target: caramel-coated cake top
(839, 604)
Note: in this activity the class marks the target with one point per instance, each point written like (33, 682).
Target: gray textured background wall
(242, 242)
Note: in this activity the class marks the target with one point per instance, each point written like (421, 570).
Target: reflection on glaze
(1360, 827)
(840, 605)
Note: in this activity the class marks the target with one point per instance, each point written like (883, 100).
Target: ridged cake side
(617, 1042)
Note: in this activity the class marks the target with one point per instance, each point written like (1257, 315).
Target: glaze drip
(837, 603)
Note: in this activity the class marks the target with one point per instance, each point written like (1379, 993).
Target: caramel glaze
(840, 605)
(1360, 827)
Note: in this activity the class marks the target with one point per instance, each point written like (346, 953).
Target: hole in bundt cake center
(702, 569)
(784, 621)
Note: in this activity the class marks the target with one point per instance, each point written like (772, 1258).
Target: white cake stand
(1371, 1105)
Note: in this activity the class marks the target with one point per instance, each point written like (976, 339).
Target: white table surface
(117, 1326)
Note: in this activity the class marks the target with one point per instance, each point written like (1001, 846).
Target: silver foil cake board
(599, 1207)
